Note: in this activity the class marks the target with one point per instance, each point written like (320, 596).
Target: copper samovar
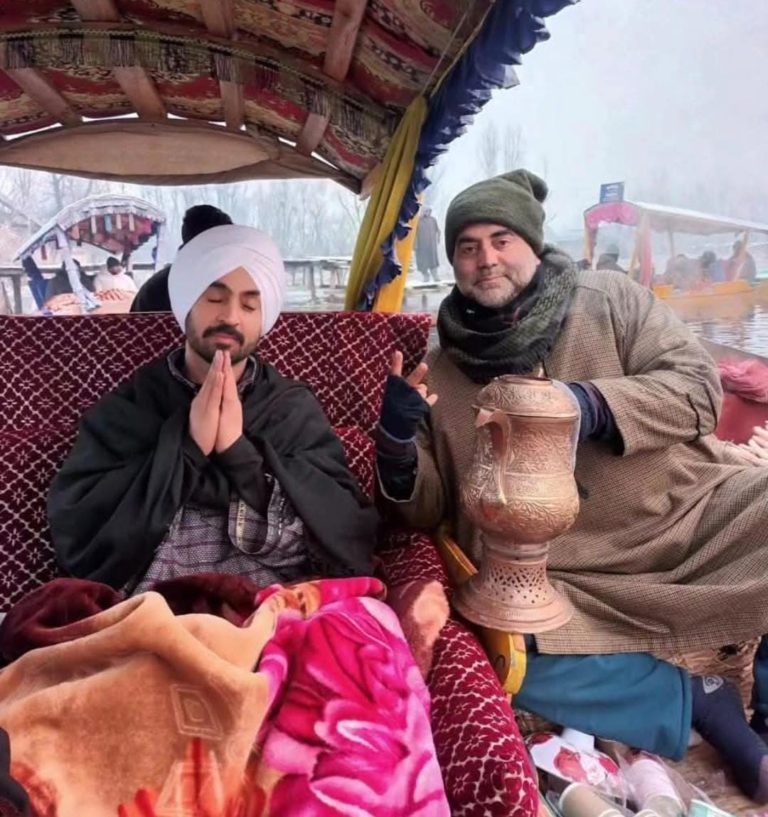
(521, 493)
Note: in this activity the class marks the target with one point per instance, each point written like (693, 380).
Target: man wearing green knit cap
(669, 551)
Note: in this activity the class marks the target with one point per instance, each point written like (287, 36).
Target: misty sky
(669, 95)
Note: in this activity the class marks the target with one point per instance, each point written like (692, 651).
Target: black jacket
(134, 465)
(153, 294)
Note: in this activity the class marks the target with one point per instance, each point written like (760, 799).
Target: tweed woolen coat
(670, 548)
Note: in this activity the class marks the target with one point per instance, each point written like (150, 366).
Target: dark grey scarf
(485, 343)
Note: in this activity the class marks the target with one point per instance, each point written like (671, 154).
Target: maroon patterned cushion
(30, 459)
(484, 761)
(407, 555)
(360, 450)
(485, 765)
(52, 369)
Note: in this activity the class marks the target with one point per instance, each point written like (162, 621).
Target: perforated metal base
(511, 591)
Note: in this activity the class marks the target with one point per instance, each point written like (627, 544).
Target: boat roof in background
(667, 219)
(93, 207)
(194, 91)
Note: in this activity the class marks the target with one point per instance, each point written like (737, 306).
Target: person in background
(427, 238)
(114, 277)
(741, 265)
(682, 272)
(609, 260)
(153, 295)
(713, 268)
(60, 285)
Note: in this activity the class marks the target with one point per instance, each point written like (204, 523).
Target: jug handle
(498, 423)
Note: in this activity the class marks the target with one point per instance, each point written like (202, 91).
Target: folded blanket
(314, 706)
(46, 615)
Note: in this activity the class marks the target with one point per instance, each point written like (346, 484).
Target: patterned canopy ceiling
(196, 90)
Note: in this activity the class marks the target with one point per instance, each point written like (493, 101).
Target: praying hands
(216, 414)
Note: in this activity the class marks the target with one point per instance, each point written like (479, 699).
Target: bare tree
(501, 148)
(353, 208)
(489, 149)
(512, 148)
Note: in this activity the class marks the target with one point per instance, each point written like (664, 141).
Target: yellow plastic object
(506, 651)
(384, 207)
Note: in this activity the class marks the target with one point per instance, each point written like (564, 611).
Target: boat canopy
(657, 218)
(116, 224)
(661, 218)
(225, 90)
(368, 94)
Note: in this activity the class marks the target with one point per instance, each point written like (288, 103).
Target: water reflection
(745, 329)
(747, 333)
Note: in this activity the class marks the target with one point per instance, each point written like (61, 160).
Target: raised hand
(414, 379)
(205, 410)
(231, 417)
(406, 400)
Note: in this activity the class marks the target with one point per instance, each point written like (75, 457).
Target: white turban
(217, 252)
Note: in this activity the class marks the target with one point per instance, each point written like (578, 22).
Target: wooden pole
(17, 307)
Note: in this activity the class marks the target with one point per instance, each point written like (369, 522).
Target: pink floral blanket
(313, 707)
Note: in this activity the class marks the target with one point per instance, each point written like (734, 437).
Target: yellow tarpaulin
(384, 207)
(390, 297)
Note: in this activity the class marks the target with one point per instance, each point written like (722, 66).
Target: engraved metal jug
(521, 493)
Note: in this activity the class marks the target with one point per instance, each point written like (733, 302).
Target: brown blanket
(80, 710)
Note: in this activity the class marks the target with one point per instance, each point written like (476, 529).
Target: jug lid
(528, 396)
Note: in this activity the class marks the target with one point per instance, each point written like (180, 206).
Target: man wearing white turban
(209, 460)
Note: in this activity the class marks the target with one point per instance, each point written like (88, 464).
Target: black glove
(402, 410)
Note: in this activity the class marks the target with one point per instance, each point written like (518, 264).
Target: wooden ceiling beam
(312, 134)
(219, 17)
(347, 19)
(37, 87)
(138, 86)
(101, 10)
(233, 102)
(370, 181)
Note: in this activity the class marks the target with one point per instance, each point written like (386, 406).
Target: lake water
(748, 333)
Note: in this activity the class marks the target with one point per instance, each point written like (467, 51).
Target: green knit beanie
(513, 200)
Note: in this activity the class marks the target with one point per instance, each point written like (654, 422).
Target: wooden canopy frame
(196, 91)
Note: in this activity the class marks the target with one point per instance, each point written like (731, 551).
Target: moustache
(223, 329)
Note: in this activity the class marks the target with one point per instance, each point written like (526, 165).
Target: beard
(206, 347)
(505, 291)
(512, 279)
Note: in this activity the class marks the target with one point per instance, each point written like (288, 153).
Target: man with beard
(669, 551)
(209, 460)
